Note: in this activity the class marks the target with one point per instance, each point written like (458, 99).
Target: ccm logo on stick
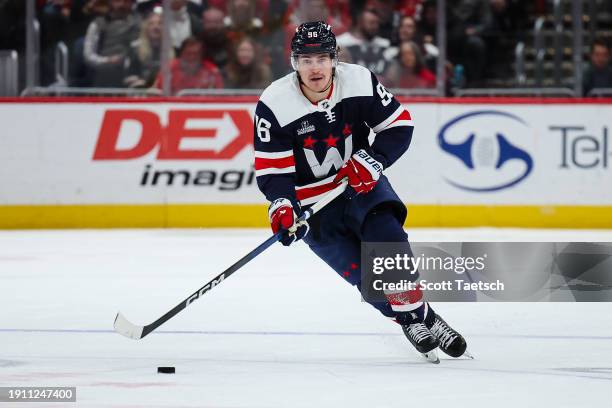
(237, 124)
(205, 289)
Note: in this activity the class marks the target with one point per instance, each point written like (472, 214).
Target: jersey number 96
(263, 129)
(385, 96)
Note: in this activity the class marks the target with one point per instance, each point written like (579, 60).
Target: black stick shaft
(214, 282)
(239, 264)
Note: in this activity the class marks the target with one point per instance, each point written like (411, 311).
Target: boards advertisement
(190, 163)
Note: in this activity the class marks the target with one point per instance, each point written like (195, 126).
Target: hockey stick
(128, 329)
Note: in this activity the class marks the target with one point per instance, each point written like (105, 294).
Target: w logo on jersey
(333, 158)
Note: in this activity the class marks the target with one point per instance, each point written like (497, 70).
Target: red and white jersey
(299, 146)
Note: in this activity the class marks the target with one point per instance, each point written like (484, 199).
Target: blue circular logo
(485, 149)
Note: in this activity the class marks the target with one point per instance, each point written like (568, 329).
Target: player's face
(315, 70)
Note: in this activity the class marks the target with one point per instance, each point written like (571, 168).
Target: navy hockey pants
(336, 232)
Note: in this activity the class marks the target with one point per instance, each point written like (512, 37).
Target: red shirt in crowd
(422, 79)
(206, 76)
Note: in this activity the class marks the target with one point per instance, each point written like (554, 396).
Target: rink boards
(189, 163)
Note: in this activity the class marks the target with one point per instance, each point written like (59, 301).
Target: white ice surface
(284, 331)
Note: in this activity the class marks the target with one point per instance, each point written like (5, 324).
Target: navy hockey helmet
(313, 38)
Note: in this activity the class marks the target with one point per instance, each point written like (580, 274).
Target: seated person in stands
(190, 70)
(107, 43)
(598, 74)
(245, 71)
(145, 54)
(467, 21)
(407, 31)
(242, 19)
(364, 46)
(501, 33)
(217, 45)
(183, 22)
(408, 70)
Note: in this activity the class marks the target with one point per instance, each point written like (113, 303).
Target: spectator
(409, 70)
(407, 30)
(13, 31)
(54, 17)
(190, 70)
(428, 47)
(245, 70)
(107, 43)
(12, 25)
(340, 14)
(82, 13)
(183, 24)
(96, 8)
(276, 19)
(598, 74)
(313, 10)
(309, 10)
(320, 10)
(261, 5)
(214, 35)
(468, 20)
(242, 21)
(196, 6)
(145, 53)
(428, 24)
(362, 45)
(145, 7)
(501, 33)
(410, 8)
(388, 18)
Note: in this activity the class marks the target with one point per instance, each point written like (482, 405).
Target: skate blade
(467, 354)
(431, 357)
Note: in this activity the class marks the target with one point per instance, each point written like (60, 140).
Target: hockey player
(311, 131)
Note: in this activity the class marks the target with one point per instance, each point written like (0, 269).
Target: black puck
(166, 370)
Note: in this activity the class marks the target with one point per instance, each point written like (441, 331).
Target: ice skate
(423, 341)
(420, 337)
(417, 332)
(450, 341)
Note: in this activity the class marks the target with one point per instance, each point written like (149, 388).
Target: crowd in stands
(245, 44)
(598, 73)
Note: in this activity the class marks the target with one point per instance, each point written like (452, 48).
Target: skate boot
(421, 338)
(415, 328)
(450, 341)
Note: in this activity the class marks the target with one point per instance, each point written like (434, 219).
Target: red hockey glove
(362, 170)
(284, 218)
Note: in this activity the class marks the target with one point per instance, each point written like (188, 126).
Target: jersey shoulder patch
(354, 80)
(285, 100)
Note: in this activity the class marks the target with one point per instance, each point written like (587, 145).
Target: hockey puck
(166, 370)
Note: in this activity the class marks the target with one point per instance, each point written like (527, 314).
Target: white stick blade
(126, 328)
